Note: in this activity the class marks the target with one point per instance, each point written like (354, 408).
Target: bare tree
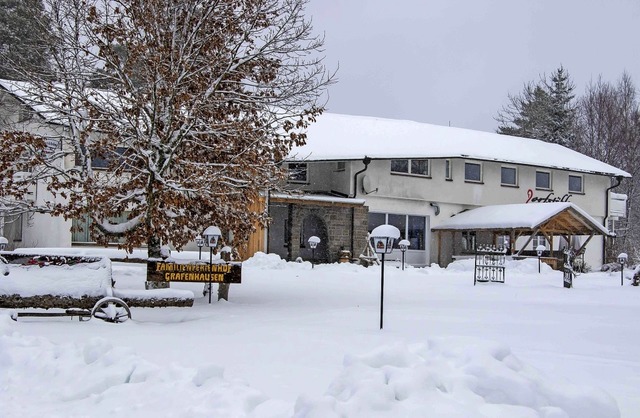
(202, 99)
(609, 130)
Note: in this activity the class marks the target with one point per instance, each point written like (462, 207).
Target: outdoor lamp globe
(313, 241)
(622, 258)
(211, 236)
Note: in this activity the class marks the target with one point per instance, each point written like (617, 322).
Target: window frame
(298, 166)
(550, 180)
(515, 176)
(536, 240)
(409, 163)
(404, 234)
(470, 163)
(448, 170)
(577, 176)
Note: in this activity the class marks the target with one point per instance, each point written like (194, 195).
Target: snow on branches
(180, 108)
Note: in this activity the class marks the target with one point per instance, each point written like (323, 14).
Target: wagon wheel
(111, 309)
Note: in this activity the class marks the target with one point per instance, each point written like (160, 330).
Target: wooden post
(223, 288)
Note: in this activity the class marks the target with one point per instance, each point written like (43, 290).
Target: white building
(417, 176)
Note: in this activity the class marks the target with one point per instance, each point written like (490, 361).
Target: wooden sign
(161, 271)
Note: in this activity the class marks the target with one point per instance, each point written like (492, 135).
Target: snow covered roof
(526, 216)
(47, 103)
(342, 137)
(317, 198)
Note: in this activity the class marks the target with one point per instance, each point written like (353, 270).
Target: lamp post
(539, 250)
(200, 244)
(211, 236)
(403, 244)
(622, 259)
(3, 244)
(382, 238)
(313, 243)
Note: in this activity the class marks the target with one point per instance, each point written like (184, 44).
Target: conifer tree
(23, 40)
(544, 110)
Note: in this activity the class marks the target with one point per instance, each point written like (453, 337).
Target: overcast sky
(454, 61)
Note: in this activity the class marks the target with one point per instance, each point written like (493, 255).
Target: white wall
(412, 195)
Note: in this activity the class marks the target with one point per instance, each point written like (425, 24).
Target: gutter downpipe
(606, 215)
(366, 161)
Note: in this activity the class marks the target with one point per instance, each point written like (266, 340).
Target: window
(103, 161)
(543, 180)
(400, 222)
(504, 241)
(376, 219)
(400, 166)
(539, 240)
(508, 176)
(575, 184)
(340, 166)
(468, 241)
(12, 227)
(447, 170)
(416, 227)
(412, 228)
(297, 172)
(81, 227)
(473, 172)
(415, 167)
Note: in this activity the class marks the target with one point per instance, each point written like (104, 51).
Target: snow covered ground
(303, 342)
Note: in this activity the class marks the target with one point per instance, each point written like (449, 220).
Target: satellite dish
(366, 185)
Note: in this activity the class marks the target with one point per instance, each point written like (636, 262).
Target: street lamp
(313, 243)
(539, 250)
(382, 238)
(404, 244)
(3, 243)
(211, 236)
(200, 244)
(622, 259)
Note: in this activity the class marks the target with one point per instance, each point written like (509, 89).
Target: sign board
(161, 271)
(617, 205)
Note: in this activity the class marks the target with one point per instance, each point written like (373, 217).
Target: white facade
(465, 177)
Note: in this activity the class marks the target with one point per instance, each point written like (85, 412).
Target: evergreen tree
(544, 110)
(23, 38)
(563, 117)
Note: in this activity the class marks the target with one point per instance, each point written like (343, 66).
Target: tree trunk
(153, 251)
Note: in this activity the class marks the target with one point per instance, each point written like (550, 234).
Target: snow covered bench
(57, 281)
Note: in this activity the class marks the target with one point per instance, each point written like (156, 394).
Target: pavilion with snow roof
(556, 219)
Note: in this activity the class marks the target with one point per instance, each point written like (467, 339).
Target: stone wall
(340, 227)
